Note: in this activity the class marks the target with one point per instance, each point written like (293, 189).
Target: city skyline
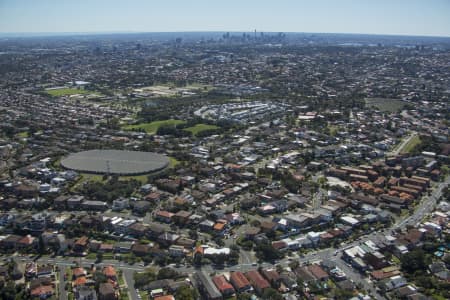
(399, 17)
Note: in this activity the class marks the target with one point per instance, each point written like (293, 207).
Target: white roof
(350, 220)
(116, 221)
(431, 224)
(313, 234)
(371, 245)
(214, 251)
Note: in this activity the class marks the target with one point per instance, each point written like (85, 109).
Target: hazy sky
(409, 17)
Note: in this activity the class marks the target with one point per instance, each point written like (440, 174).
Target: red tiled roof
(106, 247)
(153, 196)
(199, 249)
(379, 274)
(109, 271)
(79, 281)
(279, 245)
(26, 240)
(165, 214)
(82, 241)
(222, 284)
(239, 280)
(317, 271)
(219, 226)
(271, 275)
(257, 280)
(326, 235)
(42, 290)
(77, 272)
(166, 297)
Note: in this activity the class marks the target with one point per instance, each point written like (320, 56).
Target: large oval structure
(115, 162)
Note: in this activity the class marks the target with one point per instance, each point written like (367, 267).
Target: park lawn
(413, 142)
(66, 91)
(69, 273)
(396, 260)
(153, 126)
(201, 127)
(173, 162)
(57, 163)
(331, 284)
(385, 104)
(23, 134)
(438, 297)
(141, 178)
(84, 177)
(91, 177)
(124, 294)
(108, 256)
(87, 177)
(333, 129)
(91, 255)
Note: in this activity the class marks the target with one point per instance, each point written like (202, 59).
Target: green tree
(99, 278)
(99, 256)
(186, 293)
(445, 170)
(413, 261)
(244, 296)
(341, 294)
(266, 251)
(193, 234)
(143, 278)
(447, 260)
(41, 246)
(271, 294)
(8, 292)
(167, 273)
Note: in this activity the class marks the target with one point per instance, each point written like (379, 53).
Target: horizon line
(69, 33)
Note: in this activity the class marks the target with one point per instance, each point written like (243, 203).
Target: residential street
(62, 283)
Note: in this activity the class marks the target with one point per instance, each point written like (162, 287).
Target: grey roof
(208, 285)
(115, 162)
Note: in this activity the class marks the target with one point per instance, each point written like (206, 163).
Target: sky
(402, 17)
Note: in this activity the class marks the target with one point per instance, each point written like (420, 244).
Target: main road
(402, 144)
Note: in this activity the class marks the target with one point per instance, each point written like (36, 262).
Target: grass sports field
(383, 104)
(200, 127)
(153, 126)
(66, 92)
